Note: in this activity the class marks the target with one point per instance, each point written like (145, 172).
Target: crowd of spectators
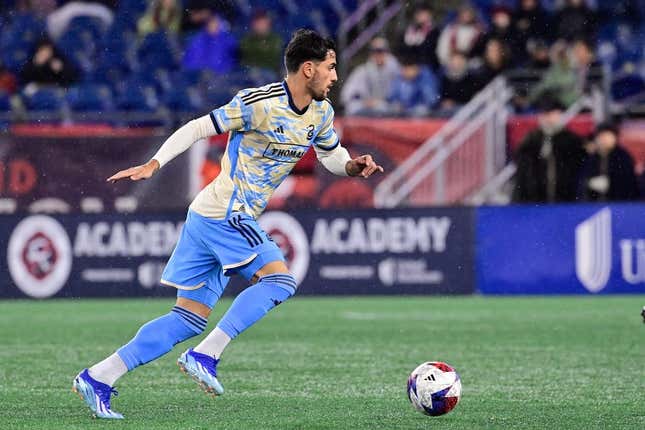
(461, 53)
(556, 165)
(173, 53)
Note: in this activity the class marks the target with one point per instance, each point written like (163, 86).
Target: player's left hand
(363, 166)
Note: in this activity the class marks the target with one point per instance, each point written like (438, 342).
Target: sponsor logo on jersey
(285, 152)
(39, 256)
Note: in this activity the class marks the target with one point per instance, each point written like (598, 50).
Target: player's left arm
(336, 158)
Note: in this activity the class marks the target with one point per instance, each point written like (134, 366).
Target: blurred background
(512, 134)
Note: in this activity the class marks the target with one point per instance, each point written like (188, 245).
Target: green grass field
(342, 363)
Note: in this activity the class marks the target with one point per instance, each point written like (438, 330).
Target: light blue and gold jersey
(268, 134)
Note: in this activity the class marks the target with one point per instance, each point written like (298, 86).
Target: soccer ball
(434, 388)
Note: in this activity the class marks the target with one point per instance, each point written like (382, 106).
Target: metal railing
(365, 22)
(462, 156)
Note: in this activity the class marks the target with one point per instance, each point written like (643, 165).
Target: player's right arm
(236, 115)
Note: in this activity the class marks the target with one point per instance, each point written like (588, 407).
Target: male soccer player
(270, 128)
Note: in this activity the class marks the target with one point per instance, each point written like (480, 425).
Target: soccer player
(270, 128)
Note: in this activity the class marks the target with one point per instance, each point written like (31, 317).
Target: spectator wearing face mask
(608, 173)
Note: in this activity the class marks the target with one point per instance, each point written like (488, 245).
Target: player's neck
(299, 94)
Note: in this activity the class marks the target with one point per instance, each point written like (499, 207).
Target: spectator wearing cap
(414, 91)
(262, 47)
(549, 160)
(214, 48)
(420, 38)
(366, 90)
(608, 173)
(460, 36)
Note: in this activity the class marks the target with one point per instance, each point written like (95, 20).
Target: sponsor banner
(409, 251)
(562, 249)
(66, 174)
(86, 256)
(420, 251)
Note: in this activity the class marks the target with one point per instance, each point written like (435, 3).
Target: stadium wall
(572, 249)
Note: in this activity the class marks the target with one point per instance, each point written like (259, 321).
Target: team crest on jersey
(285, 152)
(310, 131)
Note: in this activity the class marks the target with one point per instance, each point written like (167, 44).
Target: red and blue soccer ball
(434, 388)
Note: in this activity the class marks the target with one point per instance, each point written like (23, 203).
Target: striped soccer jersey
(268, 134)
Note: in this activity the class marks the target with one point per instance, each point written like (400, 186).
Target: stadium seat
(5, 102)
(89, 98)
(158, 51)
(182, 98)
(136, 95)
(43, 99)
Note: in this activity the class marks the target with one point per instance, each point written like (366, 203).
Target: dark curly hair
(306, 45)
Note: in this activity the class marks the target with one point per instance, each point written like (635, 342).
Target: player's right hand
(136, 173)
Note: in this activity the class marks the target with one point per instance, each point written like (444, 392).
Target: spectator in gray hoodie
(366, 90)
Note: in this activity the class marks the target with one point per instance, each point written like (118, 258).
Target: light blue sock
(254, 302)
(158, 336)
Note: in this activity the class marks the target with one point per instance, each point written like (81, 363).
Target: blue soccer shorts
(210, 250)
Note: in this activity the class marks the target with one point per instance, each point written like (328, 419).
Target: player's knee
(193, 324)
(284, 281)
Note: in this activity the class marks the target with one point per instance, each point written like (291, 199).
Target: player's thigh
(239, 243)
(202, 300)
(194, 271)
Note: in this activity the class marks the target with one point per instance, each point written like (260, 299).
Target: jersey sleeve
(236, 115)
(327, 139)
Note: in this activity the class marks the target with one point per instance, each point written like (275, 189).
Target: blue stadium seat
(5, 102)
(182, 98)
(136, 95)
(89, 98)
(43, 99)
(627, 86)
(158, 51)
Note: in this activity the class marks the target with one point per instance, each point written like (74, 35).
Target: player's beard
(316, 93)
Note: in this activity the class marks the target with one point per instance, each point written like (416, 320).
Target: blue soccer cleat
(203, 369)
(96, 395)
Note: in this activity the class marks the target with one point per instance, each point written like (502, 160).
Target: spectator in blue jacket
(214, 48)
(415, 90)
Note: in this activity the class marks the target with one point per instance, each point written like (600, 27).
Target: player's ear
(308, 69)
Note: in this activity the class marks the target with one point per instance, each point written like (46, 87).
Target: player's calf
(247, 308)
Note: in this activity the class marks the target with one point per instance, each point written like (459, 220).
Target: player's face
(323, 78)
